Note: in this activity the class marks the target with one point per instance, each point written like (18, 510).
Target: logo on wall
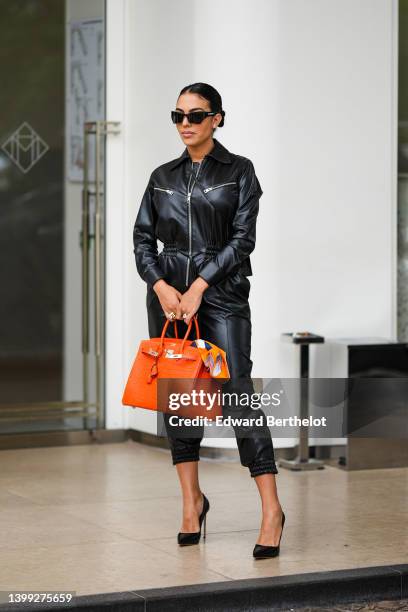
(25, 147)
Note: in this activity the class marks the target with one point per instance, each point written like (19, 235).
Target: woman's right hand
(169, 298)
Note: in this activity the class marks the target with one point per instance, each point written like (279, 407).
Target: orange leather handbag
(181, 366)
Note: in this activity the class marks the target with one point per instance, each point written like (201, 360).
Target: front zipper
(169, 191)
(189, 214)
(207, 189)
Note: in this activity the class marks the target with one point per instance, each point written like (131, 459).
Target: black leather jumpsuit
(205, 215)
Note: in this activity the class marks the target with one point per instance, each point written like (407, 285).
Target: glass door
(52, 64)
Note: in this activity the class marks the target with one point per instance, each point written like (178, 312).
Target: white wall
(309, 89)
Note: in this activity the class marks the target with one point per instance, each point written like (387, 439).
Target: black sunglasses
(193, 117)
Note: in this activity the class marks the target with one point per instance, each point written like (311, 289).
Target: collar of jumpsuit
(218, 152)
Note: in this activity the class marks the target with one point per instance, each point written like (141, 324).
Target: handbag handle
(164, 331)
(194, 318)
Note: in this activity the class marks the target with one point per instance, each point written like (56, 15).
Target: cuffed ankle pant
(228, 325)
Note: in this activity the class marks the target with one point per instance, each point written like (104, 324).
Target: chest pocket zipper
(207, 189)
(169, 191)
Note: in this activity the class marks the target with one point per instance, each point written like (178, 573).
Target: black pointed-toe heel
(185, 538)
(266, 552)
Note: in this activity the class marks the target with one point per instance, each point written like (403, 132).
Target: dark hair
(209, 93)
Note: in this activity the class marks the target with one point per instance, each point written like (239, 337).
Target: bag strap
(165, 327)
(194, 318)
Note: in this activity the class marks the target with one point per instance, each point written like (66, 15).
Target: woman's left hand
(191, 299)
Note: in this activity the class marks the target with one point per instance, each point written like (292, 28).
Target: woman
(203, 206)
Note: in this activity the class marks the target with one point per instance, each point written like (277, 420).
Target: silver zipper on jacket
(207, 189)
(189, 192)
(166, 190)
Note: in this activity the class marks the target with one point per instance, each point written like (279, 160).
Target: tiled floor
(104, 518)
